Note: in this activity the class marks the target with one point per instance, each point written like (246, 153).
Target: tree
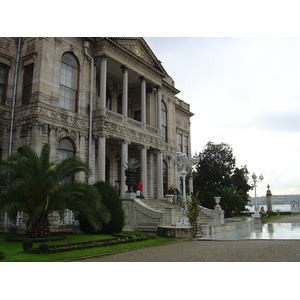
(230, 200)
(214, 169)
(193, 209)
(217, 175)
(241, 186)
(112, 201)
(36, 186)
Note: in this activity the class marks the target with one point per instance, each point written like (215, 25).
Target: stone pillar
(159, 175)
(101, 157)
(218, 213)
(124, 160)
(103, 76)
(82, 155)
(144, 169)
(125, 92)
(269, 199)
(36, 137)
(143, 100)
(158, 101)
(52, 142)
(150, 192)
(92, 177)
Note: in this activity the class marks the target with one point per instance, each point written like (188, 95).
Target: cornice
(112, 42)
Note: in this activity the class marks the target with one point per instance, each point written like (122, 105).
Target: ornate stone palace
(103, 99)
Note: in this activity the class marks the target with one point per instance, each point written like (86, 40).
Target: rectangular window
(179, 141)
(68, 87)
(186, 145)
(3, 82)
(27, 84)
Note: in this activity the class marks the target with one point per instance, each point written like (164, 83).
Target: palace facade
(103, 99)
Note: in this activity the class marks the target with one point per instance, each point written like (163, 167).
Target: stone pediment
(140, 48)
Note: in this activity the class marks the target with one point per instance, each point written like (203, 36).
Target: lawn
(14, 250)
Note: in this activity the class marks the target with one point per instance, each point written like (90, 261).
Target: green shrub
(2, 255)
(27, 245)
(43, 248)
(22, 238)
(112, 201)
(120, 238)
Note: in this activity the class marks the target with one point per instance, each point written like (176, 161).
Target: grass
(14, 250)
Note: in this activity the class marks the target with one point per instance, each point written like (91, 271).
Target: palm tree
(34, 185)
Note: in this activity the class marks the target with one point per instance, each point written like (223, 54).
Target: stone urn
(217, 199)
(169, 197)
(130, 174)
(130, 180)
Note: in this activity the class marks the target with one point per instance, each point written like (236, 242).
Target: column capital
(143, 147)
(124, 68)
(127, 142)
(103, 135)
(142, 78)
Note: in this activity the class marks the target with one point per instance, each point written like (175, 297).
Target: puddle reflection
(279, 231)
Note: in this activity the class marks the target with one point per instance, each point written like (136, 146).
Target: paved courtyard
(214, 251)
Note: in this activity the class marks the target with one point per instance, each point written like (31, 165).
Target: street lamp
(254, 180)
(181, 161)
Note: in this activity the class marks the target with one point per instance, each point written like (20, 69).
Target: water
(275, 207)
(279, 231)
(269, 231)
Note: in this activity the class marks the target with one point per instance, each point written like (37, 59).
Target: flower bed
(119, 239)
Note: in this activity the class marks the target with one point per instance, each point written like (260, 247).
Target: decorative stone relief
(4, 44)
(30, 45)
(62, 117)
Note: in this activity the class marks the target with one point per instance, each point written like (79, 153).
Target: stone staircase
(162, 205)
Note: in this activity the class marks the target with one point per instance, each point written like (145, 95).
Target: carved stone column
(82, 156)
(124, 160)
(53, 142)
(101, 156)
(158, 101)
(103, 77)
(159, 175)
(151, 173)
(144, 169)
(125, 92)
(143, 100)
(36, 136)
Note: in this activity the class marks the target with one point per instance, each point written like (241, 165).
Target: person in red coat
(140, 187)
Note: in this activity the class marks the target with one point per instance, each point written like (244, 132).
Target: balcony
(121, 127)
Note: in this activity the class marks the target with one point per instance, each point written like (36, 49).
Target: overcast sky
(244, 92)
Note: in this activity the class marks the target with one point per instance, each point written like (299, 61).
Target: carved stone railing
(118, 124)
(134, 123)
(207, 211)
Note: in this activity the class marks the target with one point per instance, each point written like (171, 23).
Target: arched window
(68, 82)
(164, 120)
(165, 177)
(65, 150)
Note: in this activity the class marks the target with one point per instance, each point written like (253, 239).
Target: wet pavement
(276, 231)
(277, 241)
(285, 228)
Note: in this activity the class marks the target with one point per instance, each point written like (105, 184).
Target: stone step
(161, 205)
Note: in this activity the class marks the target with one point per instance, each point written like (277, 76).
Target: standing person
(140, 188)
(117, 187)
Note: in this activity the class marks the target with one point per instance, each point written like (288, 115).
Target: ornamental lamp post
(181, 161)
(255, 180)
